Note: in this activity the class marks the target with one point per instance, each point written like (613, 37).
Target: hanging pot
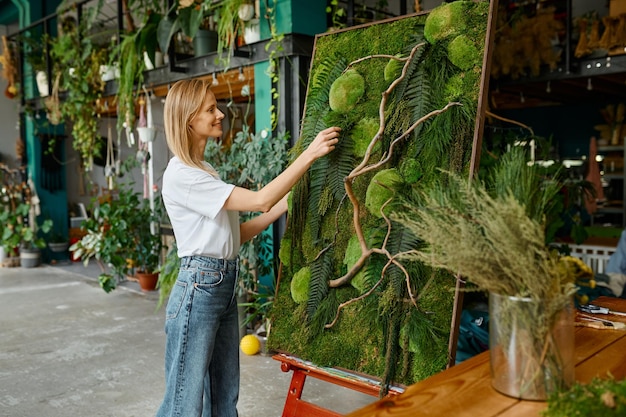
(246, 11)
(42, 83)
(146, 134)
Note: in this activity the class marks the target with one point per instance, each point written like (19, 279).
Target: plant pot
(531, 351)
(30, 257)
(246, 11)
(42, 84)
(58, 247)
(204, 42)
(146, 134)
(147, 281)
(158, 60)
(252, 31)
(109, 72)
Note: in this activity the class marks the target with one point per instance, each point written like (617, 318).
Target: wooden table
(465, 389)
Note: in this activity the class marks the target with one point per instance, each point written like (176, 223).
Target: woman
(202, 335)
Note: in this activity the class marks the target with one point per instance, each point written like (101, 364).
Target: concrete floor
(68, 349)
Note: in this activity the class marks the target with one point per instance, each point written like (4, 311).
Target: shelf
(615, 209)
(614, 176)
(598, 80)
(610, 148)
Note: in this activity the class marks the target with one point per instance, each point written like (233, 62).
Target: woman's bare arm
(253, 227)
(263, 200)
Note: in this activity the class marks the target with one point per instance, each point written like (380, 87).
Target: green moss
(380, 190)
(363, 133)
(300, 285)
(600, 397)
(446, 21)
(411, 170)
(284, 253)
(462, 52)
(393, 69)
(290, 204)
(346, 91)
(352, 255)
(462, 87)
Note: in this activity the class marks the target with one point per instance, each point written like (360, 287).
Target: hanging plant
(79, 59)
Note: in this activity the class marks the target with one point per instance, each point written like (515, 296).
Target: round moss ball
(362, 134)
(446, 21)
(352, 255)
(346, 91)
(380, 190)
(463, 53)
(353, 252)
(300, 285)
(411, 170)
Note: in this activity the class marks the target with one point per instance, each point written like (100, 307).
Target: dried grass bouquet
(492, 233)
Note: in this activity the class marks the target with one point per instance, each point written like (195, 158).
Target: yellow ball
(250, 344)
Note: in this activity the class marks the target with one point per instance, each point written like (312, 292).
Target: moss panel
(393, 322)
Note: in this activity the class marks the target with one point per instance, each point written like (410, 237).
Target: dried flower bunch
(493, 232)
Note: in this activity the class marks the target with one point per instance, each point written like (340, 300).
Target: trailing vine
(79, 60)
(275, 49)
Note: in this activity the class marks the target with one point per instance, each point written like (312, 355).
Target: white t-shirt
(194, 201)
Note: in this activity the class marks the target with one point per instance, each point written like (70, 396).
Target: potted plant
(34, 51)
(184, 16)
(147, 246)
(205, 39)
(189, 17)
(58, 243)
(119, 237)
(19, 235)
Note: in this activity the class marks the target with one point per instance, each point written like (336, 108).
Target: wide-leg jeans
(202, 340)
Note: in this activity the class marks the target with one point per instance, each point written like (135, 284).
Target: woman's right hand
(324, 142)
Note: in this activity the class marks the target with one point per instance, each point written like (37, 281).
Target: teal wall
(292, 16)
(53, 204)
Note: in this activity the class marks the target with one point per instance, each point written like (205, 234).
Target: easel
(295, 406)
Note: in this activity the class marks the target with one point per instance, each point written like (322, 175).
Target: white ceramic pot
(246, 11)
(107, 72)
(146, 134)
(252, 31)
(158, 60)
(42, 83)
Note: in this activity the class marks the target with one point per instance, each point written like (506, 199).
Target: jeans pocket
(208, 278)
(176, 300)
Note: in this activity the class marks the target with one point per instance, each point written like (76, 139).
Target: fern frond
(342, 161)
(316, 187)
(321, 271)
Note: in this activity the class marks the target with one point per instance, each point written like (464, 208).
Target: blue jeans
(202, 341)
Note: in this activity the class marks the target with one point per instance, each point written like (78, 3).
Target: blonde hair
(182, 104)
